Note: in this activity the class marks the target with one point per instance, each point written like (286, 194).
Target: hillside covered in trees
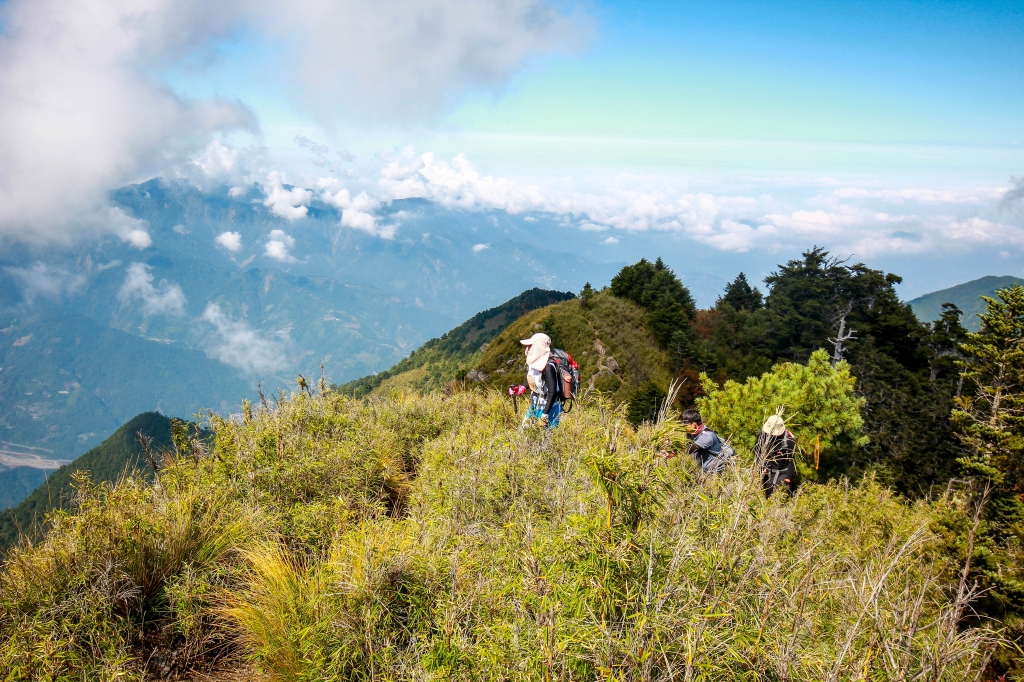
(117, 456)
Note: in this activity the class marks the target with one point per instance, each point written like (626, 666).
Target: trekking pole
(514, 392)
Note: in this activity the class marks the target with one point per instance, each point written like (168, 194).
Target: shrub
(818, 401)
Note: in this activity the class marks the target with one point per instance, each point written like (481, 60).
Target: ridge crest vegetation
(388, 529)
(404, 537)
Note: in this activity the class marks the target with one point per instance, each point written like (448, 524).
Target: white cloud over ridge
(164, 299)
(46, 281)
(82, 111)
(238, 345)
(279, 247)
(232, 241)
(866, 221)
(289, 204)
(356, 212)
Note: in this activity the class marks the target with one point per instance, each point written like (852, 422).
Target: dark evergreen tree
(654, 287)
(947, 335)
(906, 414)
(586, 295)
(741, 296)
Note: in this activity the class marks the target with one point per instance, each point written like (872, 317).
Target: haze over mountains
(226, 289)
(221, 293)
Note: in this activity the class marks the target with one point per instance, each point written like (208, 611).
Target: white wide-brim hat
(774, 425)
(538, 350)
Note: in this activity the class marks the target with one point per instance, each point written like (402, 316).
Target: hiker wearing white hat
(543, 380)
(774, 452)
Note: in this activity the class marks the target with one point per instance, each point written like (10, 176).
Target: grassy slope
(119, 453)
(432, 538)
(609, 328)
(450, 356)
(966, 296)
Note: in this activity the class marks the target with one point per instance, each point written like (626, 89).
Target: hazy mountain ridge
(67, 382)
(186, 323)
(966, 296)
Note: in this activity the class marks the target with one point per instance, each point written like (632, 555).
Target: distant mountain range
(966, 296)
(94, 333)
(221, 295)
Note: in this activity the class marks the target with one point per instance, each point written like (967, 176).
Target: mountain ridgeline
(117, 456)
(448, 357)
(966, 297)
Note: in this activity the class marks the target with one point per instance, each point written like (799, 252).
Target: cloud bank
(82, 110)
(758, 213)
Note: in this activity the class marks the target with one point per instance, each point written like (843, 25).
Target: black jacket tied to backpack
(551, 385)
(563, 381)
(778, 468)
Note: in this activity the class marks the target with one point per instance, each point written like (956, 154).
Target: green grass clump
(418, 538)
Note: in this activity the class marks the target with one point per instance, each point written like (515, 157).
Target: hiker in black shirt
(774, 454)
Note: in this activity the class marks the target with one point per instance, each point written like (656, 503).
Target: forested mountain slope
(68, 382)
(118, 455)
(448, 357)
(966, 296)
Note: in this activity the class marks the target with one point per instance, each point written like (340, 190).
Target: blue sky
(889, 89)
(722, 135)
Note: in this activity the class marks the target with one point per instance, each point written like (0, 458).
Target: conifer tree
(654, 287)
(741, 296)
(989, 420)
(990, 417)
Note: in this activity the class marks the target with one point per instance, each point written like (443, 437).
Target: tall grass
(431, 537)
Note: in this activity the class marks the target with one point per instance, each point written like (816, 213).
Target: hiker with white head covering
(543, 380)
(774, 453)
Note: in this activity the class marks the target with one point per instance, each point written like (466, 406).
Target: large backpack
(569, 372)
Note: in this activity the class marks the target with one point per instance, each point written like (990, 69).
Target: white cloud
(477, 248)
(83, 109)
(165, 299)
(610, 241)
(238, 345)
(232, 241)
(279, 246)
(405, 58)
(219, 164)
(140, 239)
(50, 282)
(356, 212)
(79, 112)
(285, 203)
(851, 219)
